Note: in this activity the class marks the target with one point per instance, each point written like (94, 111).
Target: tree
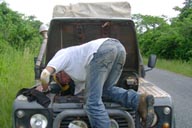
(169, 40)
(18, 30)
(146, 22)
(186, 11)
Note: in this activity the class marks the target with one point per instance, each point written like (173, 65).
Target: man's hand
(41, 89)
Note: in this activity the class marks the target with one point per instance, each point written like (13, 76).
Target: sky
(42, 9)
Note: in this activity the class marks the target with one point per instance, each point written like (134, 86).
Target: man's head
(62, 78)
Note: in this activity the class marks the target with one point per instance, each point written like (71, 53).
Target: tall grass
(180, 67)
(176, 66)
(16, 72)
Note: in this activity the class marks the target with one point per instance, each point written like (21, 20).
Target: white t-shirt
(73, 60)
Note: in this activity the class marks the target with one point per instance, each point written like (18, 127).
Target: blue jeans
(103, 73)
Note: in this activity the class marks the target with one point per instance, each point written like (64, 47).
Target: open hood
(65, 32)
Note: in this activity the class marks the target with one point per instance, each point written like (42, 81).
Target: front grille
(120, 119)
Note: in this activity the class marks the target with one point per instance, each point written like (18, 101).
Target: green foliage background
(170, 39)
(167, 38)
(19, 43)
(18, 30)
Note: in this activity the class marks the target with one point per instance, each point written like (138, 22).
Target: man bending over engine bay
(96, 66)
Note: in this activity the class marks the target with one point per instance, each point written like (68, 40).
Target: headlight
(167, 111)
(114, 124)
(38, 121)
(77, 124)
(20, 113)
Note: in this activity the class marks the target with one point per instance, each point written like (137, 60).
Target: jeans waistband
(111, 41)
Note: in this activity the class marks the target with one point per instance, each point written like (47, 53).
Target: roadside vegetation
(176, 66)
(169, 39)
(16, 72)
(19, 43)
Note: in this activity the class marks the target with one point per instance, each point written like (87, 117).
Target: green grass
(16, 72)
(176, 66)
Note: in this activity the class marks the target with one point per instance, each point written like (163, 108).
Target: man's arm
(45, 77)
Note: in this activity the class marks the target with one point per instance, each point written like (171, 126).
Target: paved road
(180, 88)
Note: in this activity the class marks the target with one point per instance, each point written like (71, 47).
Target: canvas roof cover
(96, 10)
